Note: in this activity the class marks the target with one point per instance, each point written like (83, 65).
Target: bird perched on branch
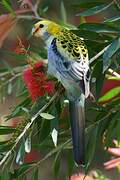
(68, 62)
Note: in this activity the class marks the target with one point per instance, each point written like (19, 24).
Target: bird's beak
(35, 30)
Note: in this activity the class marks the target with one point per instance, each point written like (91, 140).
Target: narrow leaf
(114, 78)
(21, 154)
(97, 27)
(110, 52)
(54, 135)
(9, 88)
(87, 4)
(4, 175)
(98, 74)
(91, 145)
(110, 94)
(47, 116)
(70, 163)
(57, 163)
(7, 5)
(28, 144)
(113, 19)
(35, 174)
(22, 169)
(6, 147)
(94, 10)
(86, 34)
(6, 130)
(63, 12)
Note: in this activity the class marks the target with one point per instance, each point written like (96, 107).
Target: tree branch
(98, 55)
(28, 126)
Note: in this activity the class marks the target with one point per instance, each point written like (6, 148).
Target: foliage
(44, 119)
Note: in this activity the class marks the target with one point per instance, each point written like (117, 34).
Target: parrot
(68, 62)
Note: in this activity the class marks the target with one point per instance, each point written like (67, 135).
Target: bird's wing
(71, 67)
(71, 46)
(80, 72)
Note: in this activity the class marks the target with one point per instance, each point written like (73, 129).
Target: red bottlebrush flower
(19, 46)
(39, 66)
(34, 155)
(49, 87)
(36, 81)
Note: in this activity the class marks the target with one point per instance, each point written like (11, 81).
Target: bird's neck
(51, 33)
(48, 38)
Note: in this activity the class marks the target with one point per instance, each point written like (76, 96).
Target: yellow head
(44, 28)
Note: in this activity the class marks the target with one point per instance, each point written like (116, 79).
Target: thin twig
(61, 146)
(113, 72)
(10, 80)
(28, 17)
(34, 9)
(98, 55)
(28, 126)
(15, 71)
(97, 122)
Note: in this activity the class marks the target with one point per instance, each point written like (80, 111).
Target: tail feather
(77, 120)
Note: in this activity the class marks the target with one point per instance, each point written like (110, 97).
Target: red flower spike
(36, 81)
(49, 87)
(38, 65)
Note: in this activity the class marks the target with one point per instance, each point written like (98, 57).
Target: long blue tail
(77, 120)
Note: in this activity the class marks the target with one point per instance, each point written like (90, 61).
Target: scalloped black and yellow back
(71, 46)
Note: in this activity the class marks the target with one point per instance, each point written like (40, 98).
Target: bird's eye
(41, 26)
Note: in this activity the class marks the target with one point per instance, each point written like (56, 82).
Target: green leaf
(112, 49)
(5, 147)
(63, 12)
(53, 151)
(113, 19)
(56, 165)
(99, 85)
(70, 162)
(38, 105)
(98, 74)
(114, 78)
(6, 130)
(3, 142)
(7, 66)
(13, 54)
(4, 175)
(28, 143)
(35, 174)
(9, 88)
(110, 94)
(113, 129)
(7, 5)
(55, 122)
(47, 116)
(98, 27)
(91, 146)
(87, 4)
(21, 153)
(44, 130)
(54, 135)
(94, 10)
(22, 169)
(86, 34)
(113, 103)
